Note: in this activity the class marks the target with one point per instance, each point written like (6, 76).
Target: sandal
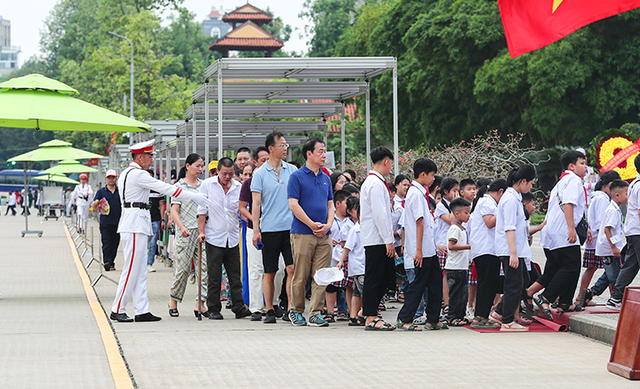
(400, 325)
(513, 327)
(329, 317)
(524, 321)
(562, 308)
(546, 311)
(173, 312)
(383, 327)
(436, 327)
(341, 316)
(400, 297)
(356, 322)
(480, 323)
(459, 323)
(382, 307)
(586, 297)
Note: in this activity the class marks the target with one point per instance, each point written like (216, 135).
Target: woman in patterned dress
(185, 217)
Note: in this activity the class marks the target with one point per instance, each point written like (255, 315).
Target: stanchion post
(625, 354)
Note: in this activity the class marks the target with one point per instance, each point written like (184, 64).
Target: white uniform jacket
(134, 186)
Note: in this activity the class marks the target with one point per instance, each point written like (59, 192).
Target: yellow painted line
(119, 370)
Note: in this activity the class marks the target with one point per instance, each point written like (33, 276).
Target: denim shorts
(358, 285)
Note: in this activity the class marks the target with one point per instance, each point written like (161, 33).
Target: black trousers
(378, 270)
(458, 282)
(514, 282)
(230, 258)
(110, 242)
(488, 269)
(428, 276)
(12, 208)
(561, 274)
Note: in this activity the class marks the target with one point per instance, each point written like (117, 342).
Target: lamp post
(131, 84)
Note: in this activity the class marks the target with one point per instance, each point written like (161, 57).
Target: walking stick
(199, 281)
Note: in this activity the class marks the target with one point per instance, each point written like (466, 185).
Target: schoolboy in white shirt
(567, 205)
(421, 250)
(376, 232)
(629, 270)
(610, 241)
(457, 266)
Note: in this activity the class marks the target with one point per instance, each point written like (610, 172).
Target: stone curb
(594, 326)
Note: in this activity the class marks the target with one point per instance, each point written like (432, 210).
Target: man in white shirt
(218, 226)
(377, 237)
(567, 205)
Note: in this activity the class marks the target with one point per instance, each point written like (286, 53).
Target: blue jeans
(153, 242)
(411, 276)
(611, 270)
(341, 302)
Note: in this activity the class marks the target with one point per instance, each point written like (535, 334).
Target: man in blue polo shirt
(109, 222)
(272, 217)
(311, 201)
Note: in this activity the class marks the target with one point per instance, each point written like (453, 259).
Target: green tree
(328, 20)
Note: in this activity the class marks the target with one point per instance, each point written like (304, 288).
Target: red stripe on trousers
(126, 281)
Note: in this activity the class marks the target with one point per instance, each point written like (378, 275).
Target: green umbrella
(56, 178)
(38, 102)
(68, 167)
(54, 153)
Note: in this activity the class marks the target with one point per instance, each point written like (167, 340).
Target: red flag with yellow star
(532, 24)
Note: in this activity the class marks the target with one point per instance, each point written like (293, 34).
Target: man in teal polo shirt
(272, 217)
(311, 201)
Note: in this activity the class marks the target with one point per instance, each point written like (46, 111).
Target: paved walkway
(50, 338)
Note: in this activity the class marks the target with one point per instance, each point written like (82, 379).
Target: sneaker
(278, 311)
(256, 316)
(614, 305)
(420, 321)
(287, 316)
(270, 318)
(150, 269)
(317, 321)
(297, 319)
(471, 312)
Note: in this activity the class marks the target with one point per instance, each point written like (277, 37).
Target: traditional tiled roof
(247, 12)
(249, 36)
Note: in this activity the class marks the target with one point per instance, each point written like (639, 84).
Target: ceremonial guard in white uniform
(82, 195)
(134, 228)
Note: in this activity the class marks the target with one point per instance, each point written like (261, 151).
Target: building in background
(214, 26)
(8, 53)
(247, 33)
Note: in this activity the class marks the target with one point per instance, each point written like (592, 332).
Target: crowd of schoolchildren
(463, 247)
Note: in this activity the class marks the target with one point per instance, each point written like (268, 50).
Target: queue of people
(457, 253)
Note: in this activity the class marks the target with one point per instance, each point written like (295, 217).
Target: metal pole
(220, 143)
(342, 139)
(178, 158)
(131, 81)
(168, 161)
(395, 119)
(193, 134)
(207, 152)
(368, 121)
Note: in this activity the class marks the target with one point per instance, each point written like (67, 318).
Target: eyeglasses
(283, 145)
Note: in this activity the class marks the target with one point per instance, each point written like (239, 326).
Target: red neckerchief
(586, 201)
(385, 183)
(426, 197)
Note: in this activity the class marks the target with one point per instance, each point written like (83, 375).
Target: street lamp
(131, 87)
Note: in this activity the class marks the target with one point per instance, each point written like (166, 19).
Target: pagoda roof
(247, 12)
(249, 36)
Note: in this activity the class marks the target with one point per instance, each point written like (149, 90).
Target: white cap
(580, 149)
(111, 173)
(145, 147)
(328, 275)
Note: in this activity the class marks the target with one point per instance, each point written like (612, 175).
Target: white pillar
(395, 119)
(220, 116)
(368, 121)
(207, 152)
(342, 139)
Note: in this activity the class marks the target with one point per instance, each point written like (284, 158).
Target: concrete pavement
(50, 338)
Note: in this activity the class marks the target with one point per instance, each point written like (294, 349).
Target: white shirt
(12, 199)
(339, 231)
(612, 218)
(356, 251)
(83, 194)
(375, 211)
(457, 259)
(441, 226)
(416, 206)
(222, 226)
(481, 237)
(632, 222)
(569, 190)
(510, 217)
(138, 185)
(595, 214)
(396, 214)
